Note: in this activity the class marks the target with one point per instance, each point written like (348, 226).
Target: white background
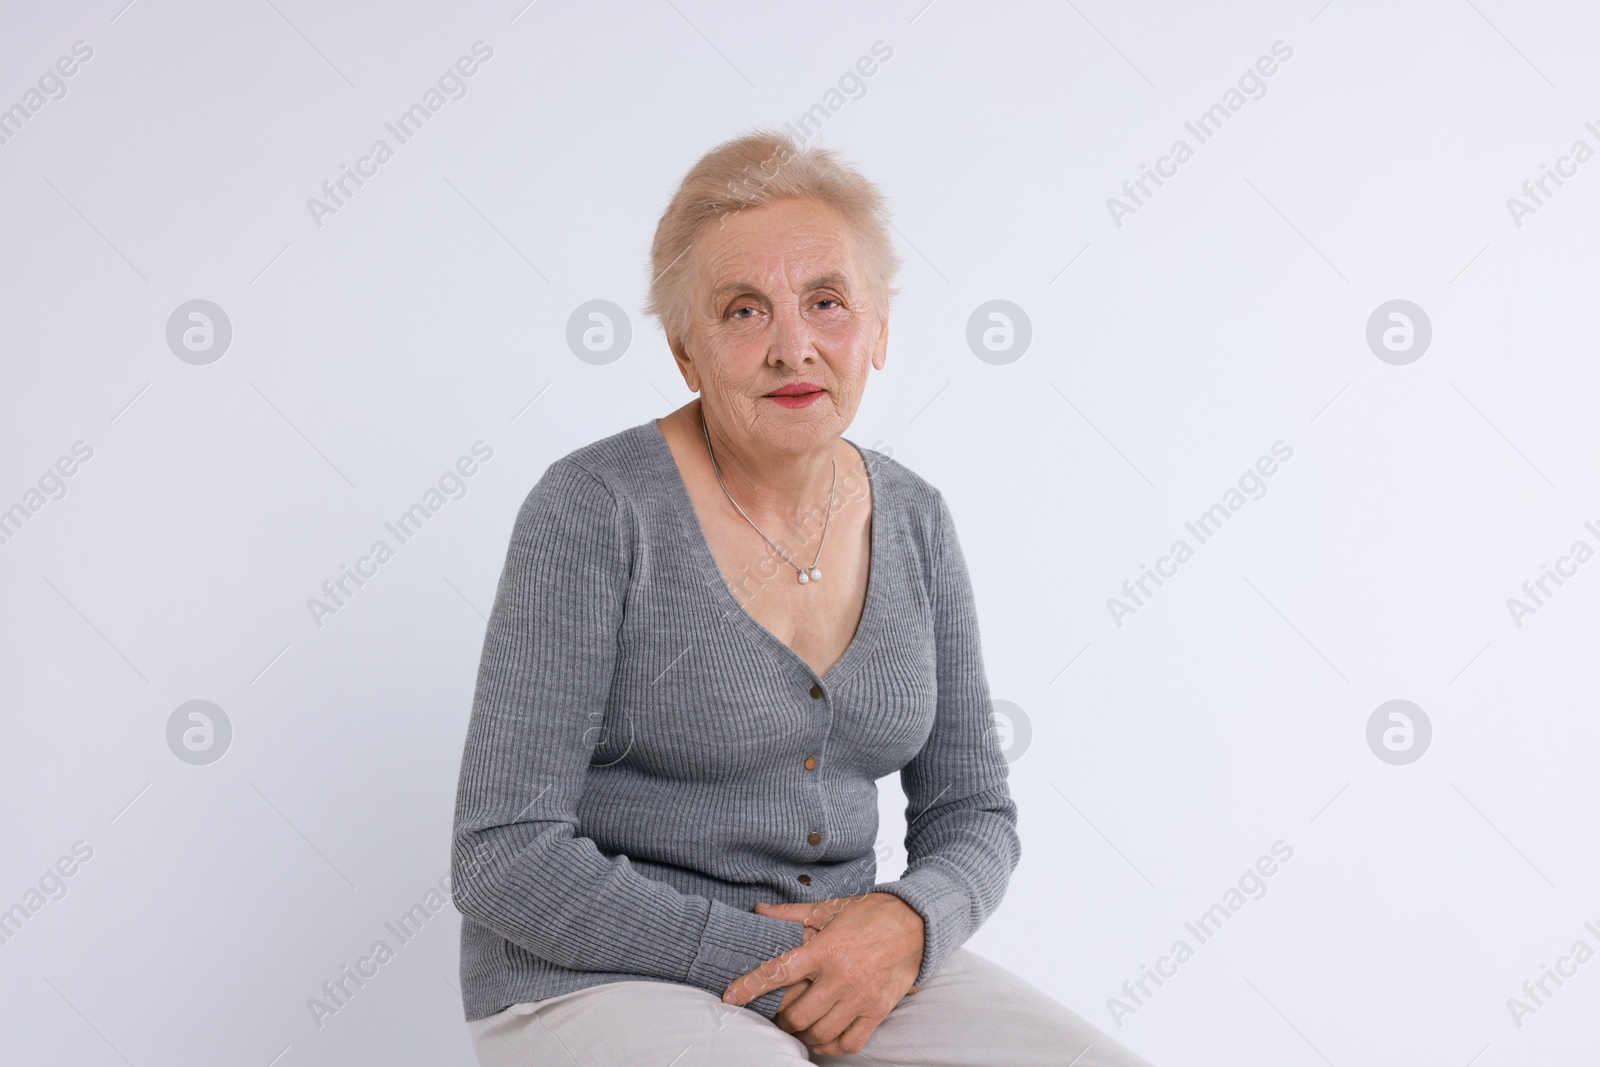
(1168, 353)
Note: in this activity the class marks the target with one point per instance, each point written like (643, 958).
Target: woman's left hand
(859, 958)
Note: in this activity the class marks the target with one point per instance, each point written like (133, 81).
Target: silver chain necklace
(806, 574)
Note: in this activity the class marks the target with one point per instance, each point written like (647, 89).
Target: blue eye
(827, 300)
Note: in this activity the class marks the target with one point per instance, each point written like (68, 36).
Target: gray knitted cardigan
(635, 771)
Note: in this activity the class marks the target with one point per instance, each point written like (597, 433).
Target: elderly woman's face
(779, 301)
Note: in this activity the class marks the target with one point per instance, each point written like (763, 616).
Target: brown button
(816, 691)
(811, 763)
(805, 879)
(814, 838)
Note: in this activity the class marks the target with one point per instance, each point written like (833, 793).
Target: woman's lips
(797, 400)
(798, 395)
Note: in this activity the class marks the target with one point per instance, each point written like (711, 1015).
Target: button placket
(815, 836)
(816, 694)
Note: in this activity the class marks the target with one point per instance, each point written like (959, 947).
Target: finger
(803, 1011)
(815, 915)
(834, 905)
(822, 912)
(775, 973)
(790, 995)
(827, 1030)
(822, 1039)
(831, 1048)
(854, 1039)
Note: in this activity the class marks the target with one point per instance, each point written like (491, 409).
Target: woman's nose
(792, 342)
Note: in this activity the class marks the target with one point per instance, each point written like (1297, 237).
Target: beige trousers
(973, 1013)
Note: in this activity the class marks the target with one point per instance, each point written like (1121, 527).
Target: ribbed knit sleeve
(961, 837)
(520, 865)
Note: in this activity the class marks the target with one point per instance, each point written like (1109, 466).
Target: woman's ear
(686, 367)
(880, 348)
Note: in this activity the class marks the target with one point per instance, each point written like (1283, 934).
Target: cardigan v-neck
(645, 761)
(701, 546)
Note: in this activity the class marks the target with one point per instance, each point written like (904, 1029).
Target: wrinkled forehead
(789, 245)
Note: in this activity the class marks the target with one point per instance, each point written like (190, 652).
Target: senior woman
(691, 681)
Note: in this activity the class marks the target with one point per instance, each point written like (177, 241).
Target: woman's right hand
(854, 975)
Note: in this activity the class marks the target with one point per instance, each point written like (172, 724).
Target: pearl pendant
(804, 577)
(816, 575)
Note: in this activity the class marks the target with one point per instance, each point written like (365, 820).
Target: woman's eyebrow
(829, 281)
(731, 288)
(822, 281)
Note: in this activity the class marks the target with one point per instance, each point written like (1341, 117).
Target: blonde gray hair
(758, 168)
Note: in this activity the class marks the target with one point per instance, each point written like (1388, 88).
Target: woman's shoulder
(591, 493)
(618, 459)
(909, 491)
(593, 478)
(626, 466)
